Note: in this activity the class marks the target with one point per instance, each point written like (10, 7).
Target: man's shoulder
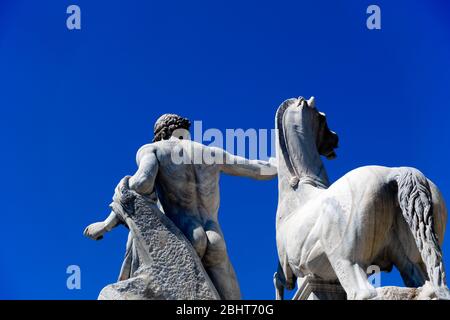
(195, 144)
(184, 143)
(145, 150)
(160, 148)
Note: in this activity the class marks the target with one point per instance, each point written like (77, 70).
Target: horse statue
(373, 215)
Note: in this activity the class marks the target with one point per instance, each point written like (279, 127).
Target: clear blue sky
(76, 106)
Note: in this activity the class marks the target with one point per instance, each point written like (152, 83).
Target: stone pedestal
(310, 288)
(403, 293)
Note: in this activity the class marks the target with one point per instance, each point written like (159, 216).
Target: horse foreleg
(279, 287)
(353, 279)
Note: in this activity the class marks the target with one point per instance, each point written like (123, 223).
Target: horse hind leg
(279, 287)
(406, 258)
(412, 274)
(339, 247)
(351, 274)
(353, 279)
(415, 200)
(411, 268)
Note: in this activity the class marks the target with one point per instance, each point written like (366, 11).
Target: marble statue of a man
(189, 193)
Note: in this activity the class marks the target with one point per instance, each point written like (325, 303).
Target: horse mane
(279, 116)
(295, 176)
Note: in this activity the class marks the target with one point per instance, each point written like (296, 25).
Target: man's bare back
(185, 176)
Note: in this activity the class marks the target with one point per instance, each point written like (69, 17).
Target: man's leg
(218, 265)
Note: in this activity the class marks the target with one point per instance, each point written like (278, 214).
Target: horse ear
(312, 102)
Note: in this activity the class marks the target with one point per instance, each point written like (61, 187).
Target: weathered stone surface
(169, 268)
(184, 176)
(397, 293)
(372, 216)
(316, 289)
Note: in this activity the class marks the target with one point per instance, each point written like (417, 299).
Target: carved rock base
(316, 289)
(169, 267)
(402, 293)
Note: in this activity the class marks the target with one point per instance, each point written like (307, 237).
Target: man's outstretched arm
(142, 182)
(239, 166)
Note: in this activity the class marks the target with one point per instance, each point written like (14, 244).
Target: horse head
(304, 136)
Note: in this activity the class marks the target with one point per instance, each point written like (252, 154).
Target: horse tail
(414, 197)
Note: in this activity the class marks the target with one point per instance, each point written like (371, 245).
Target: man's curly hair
(167, 124)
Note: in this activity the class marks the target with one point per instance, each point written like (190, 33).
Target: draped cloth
(160, 263)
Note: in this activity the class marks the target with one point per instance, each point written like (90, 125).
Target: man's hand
(95, 230)
(268, 168)
(273, 162)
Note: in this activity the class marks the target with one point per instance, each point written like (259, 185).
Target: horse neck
(298, 158)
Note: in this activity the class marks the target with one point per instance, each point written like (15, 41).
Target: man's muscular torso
(188, 192)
